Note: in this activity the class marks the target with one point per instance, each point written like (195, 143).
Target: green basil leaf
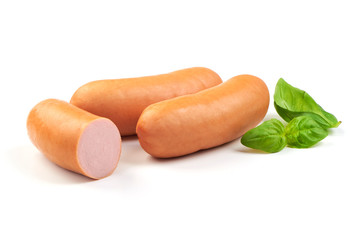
(291, 102)
(268, 137)
(304, 132)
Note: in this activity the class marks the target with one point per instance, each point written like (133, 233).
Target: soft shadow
(29, 161)
(131, 138)
(243, 149)
(132, 153)
(191, 156)
(250, 151)
(214, 158)
(339, 131)
(270, 116)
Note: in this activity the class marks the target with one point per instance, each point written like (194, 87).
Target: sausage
(75, 139)
(123, 100)
(206, 119)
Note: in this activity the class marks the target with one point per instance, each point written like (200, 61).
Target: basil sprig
(308, 122)
(291, 102)
(271, 136)
(268, 137)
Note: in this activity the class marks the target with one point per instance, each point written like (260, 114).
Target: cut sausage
(123, 100)
(206, 119)
(75, 139)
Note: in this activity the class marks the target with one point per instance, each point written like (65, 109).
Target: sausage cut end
(99, 148)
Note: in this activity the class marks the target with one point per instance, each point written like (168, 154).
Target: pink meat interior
(99, 148)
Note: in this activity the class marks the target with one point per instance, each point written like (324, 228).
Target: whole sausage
(75, 139)
(123, 100)
(206, 119)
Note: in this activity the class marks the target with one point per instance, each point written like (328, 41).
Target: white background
(50, 48)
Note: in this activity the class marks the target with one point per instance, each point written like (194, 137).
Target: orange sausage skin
(203, 120)
(123, 100)
(67, 136)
